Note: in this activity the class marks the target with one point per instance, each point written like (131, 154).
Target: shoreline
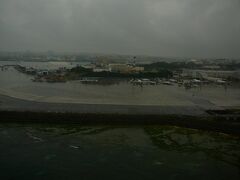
(8, 103)
(224, 120)
(221, 124)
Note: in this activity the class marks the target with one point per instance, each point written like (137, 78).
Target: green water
(104, 152)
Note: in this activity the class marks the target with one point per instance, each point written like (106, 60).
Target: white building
(125, 68)
(211, 73)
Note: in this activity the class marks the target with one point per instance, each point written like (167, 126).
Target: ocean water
(116, 152)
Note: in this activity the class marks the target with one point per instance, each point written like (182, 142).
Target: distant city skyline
(137, 56)
(161, 28)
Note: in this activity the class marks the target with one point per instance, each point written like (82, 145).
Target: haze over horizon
(187, 28)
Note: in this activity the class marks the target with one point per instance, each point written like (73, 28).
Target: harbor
(211, 106)
(119, 90)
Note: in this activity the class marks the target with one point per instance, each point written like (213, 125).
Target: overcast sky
(184, 28)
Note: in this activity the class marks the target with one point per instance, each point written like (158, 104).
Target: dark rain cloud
(202, 28)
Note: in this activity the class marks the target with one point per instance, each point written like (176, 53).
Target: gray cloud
(202, 28)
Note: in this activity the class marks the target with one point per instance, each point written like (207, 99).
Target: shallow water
(43, 65)
(19, 85)
(104, 152)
